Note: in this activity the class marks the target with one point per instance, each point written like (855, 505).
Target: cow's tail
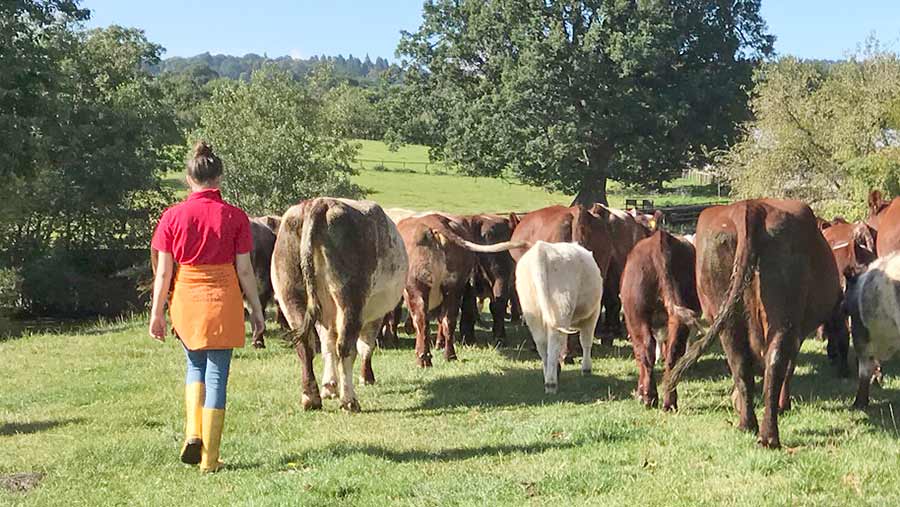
(741, 276)
(313, 221)
(475, 247)
(671, 297)
(549, 311)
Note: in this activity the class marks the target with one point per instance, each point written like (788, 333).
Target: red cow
(768, 278)
(659, 292)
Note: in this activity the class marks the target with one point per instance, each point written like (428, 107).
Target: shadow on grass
(9, 429)
(521, 386)
(453, 453)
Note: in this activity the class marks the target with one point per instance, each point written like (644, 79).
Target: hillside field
(407, 179)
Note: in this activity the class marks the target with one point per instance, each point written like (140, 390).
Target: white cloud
(295, 54)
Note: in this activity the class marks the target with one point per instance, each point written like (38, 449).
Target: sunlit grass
(99, 412)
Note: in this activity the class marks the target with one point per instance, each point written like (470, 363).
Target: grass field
(99, 413)
(406, 179)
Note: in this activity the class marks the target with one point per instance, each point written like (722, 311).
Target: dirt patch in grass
(21, 482)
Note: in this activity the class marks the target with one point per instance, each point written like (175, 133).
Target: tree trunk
(593, 185)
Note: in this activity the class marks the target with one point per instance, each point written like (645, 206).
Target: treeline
(358, 71)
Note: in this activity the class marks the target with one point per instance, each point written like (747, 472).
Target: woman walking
(210, 241)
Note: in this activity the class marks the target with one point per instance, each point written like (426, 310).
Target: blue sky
(302, 28)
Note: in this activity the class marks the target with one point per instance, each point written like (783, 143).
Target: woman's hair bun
(202, 149)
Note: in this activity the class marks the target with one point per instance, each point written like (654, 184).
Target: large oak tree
(565, 93)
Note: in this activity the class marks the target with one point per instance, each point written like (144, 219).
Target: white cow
(560, 288)
(873, 302)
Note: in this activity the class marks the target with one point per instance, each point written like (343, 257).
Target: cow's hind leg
(779, 354)
(309, 398)
(784, 400)
(364, 347)
(587, 341)
(676, 345)
(449, 313)
(643, 344)
(417, 303)
(555, 343)
(737, 351)
(328, 340)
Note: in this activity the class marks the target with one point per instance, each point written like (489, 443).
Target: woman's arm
(162, 280)
(248, 285)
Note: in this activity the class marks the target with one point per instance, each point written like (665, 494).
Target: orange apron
(207, 308)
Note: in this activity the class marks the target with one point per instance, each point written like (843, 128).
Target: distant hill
(241, 67)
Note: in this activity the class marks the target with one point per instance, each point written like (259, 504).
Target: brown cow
(851, 245)
(659, 291)
(884, 219)
(559, 224)
(441, 260)
(767, 277)
(626, 229)
(493, 277)
(338, 267)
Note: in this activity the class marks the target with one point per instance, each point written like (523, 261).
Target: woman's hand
(158, 327)
(257, 324)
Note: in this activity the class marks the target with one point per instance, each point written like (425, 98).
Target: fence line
(402, 164)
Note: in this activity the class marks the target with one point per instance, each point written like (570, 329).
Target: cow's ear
(513, 221)
(875, 202)
(862, 237)
(658, 218)
(273, 222)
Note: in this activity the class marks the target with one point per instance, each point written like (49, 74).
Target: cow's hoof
(860, 404)
(769, 441)
(450, 357)
(782, 408)
(670, 407)
(367, 381)
(310, 402)
(350, 406)
(550, 388)
(585, 373)
(329, 390)
(424, 361)
(259, 344)
(749, 426)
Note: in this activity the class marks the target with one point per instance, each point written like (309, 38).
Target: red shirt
(203, 229)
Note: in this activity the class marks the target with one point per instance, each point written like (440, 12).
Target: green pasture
(407, 179)
(98, 413)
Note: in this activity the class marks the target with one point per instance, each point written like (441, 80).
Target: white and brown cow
(560, 289)
(873, 302)
(339, 265)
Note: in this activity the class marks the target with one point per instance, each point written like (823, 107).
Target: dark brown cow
(339, 265)
(441, 260)
(625, 231)
(659, 291)
(492, 278)
(560, 224)
(851, 245)
(264, 230)
(767, 277)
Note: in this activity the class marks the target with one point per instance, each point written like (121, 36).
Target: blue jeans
(210, 367)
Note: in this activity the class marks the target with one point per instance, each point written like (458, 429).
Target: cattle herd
(763, 274)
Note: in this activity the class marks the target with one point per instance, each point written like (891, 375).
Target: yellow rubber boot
(194, 396)
(213, 422)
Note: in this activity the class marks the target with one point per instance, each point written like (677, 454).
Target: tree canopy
(566, 93)
(277, 142)
(822, 134)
